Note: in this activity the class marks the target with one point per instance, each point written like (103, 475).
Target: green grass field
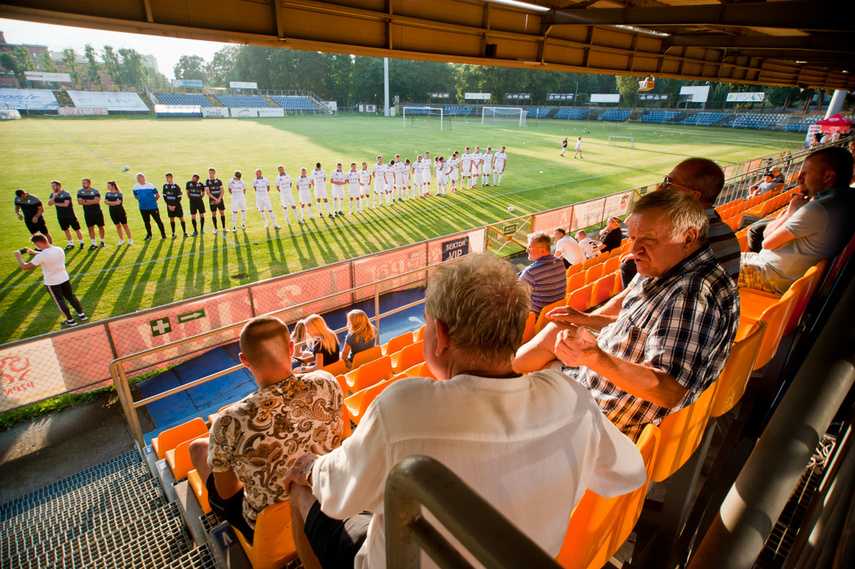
(118, 280)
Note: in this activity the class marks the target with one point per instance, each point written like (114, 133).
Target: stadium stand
(615, 115)
(537, 112)
(704, 118)
(458, 110)
(574, 114)
(760, 121)
(184, 99)
(294, 103)
(659, 116)
(249, 101)
(802, 124)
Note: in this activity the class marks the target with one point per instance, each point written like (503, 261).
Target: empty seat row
(537, 112)
(250, 101)
(659, 116)
(294, 103)
(458, 110)
(614, 115)
(575, 114)
(184, 99)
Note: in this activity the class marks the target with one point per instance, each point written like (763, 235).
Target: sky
(56, 38)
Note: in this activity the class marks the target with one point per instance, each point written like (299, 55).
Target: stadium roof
(804, 43)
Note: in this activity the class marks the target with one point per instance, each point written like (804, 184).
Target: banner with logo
(605, 97)
(549, 220)
(271, 112)
(82, 111)
(698, 94)
(23, 99)
(477, 96)
(243, 85)
(29, 372)
(195, 83)
(215, 112)
(243, 112)
(51, 77)
(560, 96)
(285, 292)
(384, 265)
(120, 101)
(746, 97)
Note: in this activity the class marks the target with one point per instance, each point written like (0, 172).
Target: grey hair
(682, 209)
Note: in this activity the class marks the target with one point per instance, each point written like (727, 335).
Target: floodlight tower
(386, 87)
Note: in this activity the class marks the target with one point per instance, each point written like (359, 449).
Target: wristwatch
(307, 474)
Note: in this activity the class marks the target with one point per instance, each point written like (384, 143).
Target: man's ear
(291, 348)
(443, 342)
(691, 236)
(243, 359)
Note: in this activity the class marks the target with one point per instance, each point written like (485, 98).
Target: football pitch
(117, 280)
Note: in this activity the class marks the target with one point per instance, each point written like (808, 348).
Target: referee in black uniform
(195, 193)
(172, 197)
(30, 210)
(90, 199)
(214, 189)
(61, 199)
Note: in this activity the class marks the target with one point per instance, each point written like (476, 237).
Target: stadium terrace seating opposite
(573, 114)
(659, 116)
(249, 101)
(704, 118)
(184, 99)
(537, 112)
(294, 103)
(458, 110)
(615, 115)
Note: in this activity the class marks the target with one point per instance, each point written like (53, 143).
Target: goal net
(621, 141)
(509, 116)
(423, 116)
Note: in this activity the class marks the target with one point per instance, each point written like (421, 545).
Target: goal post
(621, 140)
(514, 116)
(423, 115)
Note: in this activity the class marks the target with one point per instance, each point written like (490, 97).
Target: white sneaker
(121, 242)
(215, 231)
(265, 226)
(277, 226)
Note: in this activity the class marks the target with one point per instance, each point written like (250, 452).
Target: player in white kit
(441, 176)
(304, 189)
(466, 169)
(486, 166)
(262, 198)
(477, 165)
(286, 198)
(453, 166)
(338, 179)
(319, 182)
(237, 188)
(365, 184)
(379, 172)
(427, 173)
(397, 170)
(353, 188)
(408, 181)
(500, 160)
(418, 190)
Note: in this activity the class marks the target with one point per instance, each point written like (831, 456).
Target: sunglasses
(668, 182)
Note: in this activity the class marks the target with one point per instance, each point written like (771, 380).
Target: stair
(270, 101)
(111, 515)
(63, 98)
(214, 101)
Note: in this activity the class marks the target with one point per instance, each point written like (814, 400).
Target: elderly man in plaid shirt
(659, 349)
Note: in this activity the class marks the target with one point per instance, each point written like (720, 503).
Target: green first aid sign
(160, 326)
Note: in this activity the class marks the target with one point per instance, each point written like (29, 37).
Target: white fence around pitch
(53, 364)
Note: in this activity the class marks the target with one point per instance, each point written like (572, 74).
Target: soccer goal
(511, 116)
(423, 116)
(621, 141)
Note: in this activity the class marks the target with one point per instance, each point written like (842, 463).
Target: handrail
(419, 481)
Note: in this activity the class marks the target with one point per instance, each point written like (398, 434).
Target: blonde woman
(323, 341)
(361, 335)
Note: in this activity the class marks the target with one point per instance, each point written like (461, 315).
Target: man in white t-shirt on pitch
(262, 198)
(428, 166)
(554, 445)
(441, 177)
(286, 198)
(417, 176)
(338, 179)
(486, 166)
(379, 172)
(398, 170)
(353, 188)
(466, 168)
(477, 166)
(52, 261)
(500, 160)
(304, 189)
(237, 188)
(364, 184)
(567, 248)
(578, 153)
(319, 184)
(452, 165)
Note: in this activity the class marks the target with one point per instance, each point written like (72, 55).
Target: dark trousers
(627, 271)
(147, 215)
(756, 233)
(60, 293)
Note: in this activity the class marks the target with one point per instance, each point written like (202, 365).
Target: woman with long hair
(323, 341)
(361, 335)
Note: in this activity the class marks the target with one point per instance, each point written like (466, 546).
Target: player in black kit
(172, 197)
(214, 189)
(195, 193)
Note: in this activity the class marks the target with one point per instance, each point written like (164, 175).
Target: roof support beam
(842, 43)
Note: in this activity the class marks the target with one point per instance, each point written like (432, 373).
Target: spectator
(52, 261)
(546, 277)
(147, 195)
(703, 179)
(542, 433)
(767, 184)
(667, 341)
(254, 441)
(323, 341)
(611, 236)
(361, 335)
(777, 175)
(590, 247)
(30, 210)
(567, 248)
(816, 225)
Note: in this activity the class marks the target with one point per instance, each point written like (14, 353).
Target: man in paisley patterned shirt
(254, 442)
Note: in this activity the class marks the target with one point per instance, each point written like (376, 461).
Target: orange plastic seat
(591, 262)
(420, 335)
(576, 281)
(599, 526)
(358, 403)
(528, 332)
(171, 438)
(618, 288)
(337, 368)
(199, 490)
(737, 370)
(574, 269)
(602, 289)
(178, 458)
(838, 264)
(612, 265)
(742, 239)
(580, 299)
(369, 374)
(682, 432)
(775, 315)
(418, 370)
(397, 343)
(626, 247)
(213, 416)
(408, 357)
(273, 545)
(593, 274)
(542, 321)
(366, 356)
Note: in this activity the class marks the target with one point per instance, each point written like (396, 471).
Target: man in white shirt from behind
(286, 198)
(500, 160)
(466, 169)
(338, 179)
(590, 247)
(545, 431)
(237, 188)
(477, 166)
(486, 163)
(379, 171)
(567, 248)
(262, 198)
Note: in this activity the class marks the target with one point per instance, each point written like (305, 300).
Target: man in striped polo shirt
(546, 277)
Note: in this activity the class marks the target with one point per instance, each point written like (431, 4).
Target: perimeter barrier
(79, 360)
